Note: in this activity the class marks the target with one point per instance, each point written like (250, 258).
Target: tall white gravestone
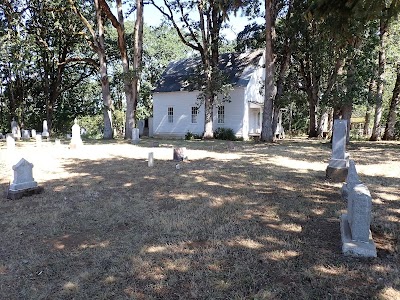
(338, 164)
(45, 132)
(76, 140)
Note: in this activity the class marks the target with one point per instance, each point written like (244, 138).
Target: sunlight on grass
(94, 245)
(389, 293)
(300, 165)
(288, 227)
(156, 249)
(110, 279)
(247, 243)
(280, 255)
(70, 286)
(329, 270)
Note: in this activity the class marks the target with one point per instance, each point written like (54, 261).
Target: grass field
(255, 222)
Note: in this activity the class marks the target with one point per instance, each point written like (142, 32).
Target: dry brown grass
(259, 222)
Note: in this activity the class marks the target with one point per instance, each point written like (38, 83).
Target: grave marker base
(354, 248)
(15, 195)
(336, 174)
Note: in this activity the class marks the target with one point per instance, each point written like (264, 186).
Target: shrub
(224, 134)
(192, 136)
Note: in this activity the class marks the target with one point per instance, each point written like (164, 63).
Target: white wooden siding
(182, 102)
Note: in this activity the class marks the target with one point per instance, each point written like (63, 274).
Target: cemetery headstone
(151, 159)
(23, 183)
(338, 164)
(1, 136)
(155, 144)
(45, 132)
(180, 154)
(355, 225)
(26, 134)
(135, 135)
(76, 140)
(351, 180)
(57, 142)
(33, 133)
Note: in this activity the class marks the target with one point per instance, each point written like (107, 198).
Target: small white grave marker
(151, 159)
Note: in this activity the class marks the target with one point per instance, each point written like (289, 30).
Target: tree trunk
(312, 111)
(267, 134)
(381, 70)
(105, 84)
(321, 122)
(366, 130)
(137, 64)
(391, 121)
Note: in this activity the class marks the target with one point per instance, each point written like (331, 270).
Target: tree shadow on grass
(212, 229)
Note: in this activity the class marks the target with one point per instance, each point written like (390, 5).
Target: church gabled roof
(180, 75)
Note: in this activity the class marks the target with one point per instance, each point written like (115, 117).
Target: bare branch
(170, 17)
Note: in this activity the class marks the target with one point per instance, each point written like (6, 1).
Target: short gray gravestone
(76, 140)
(135, 135)
(45, 132)
(10, 142)
(26, 135)
(338, 164)
(23, 183)
(180, 154)
(355, 225)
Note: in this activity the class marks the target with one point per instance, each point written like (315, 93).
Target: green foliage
(93, 125)
(224, 134)
(192, 136)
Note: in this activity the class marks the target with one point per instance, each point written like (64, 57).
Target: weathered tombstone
(23, 183)
(10, 142)
(1, 136)
(180, 154)
(26, 134)
(76, 140)
(151, 159)
(45, 132)
(135, 135)
(338, 164)
(355, 225)
(33, 133)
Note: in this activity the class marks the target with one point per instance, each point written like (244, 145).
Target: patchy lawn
(255, 222)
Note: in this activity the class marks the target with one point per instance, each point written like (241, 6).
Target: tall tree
(96, 41)
(267, 133)
(394, 103)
